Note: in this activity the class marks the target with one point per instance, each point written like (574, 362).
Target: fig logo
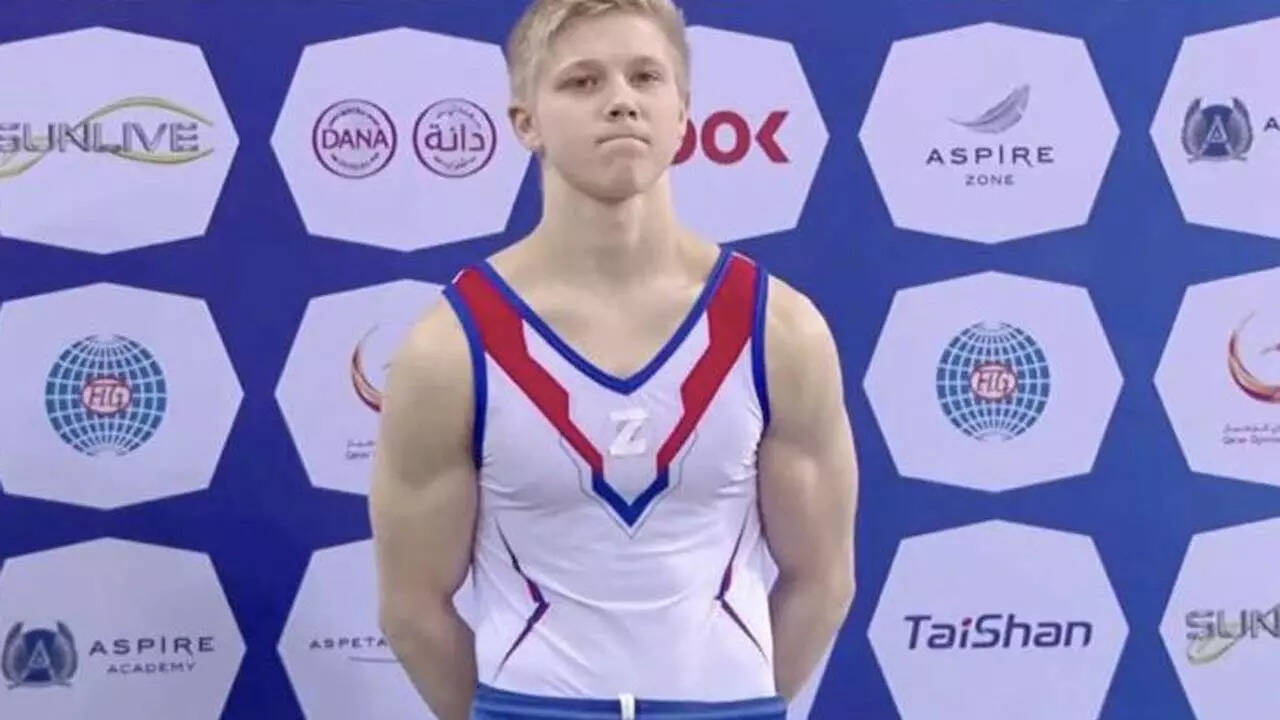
(1217, 132)
(1001, 116)
(106, 395)
(992, 381)
(142, 138)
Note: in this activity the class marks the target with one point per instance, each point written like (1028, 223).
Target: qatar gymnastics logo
(454, 138)
(354, 138)
(1254, 361)
(39, 658)
(993, 381)
(106, 394)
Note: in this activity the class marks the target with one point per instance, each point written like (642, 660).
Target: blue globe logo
(106, 395)
(993, 381)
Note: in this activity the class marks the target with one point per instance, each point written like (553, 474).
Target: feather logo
(1001, 116)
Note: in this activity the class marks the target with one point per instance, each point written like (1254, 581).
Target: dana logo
(994, 164)
(995, 630)
(1212, 633)
(106, 395)
(39, 657)
(354, 138)
(159, 142)
(726, 137)
(993, 381)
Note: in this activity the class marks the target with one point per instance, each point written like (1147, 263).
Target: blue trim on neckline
(628, 385)
(479, 378)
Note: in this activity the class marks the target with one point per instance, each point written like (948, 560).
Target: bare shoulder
(429, 404)
(800, 351)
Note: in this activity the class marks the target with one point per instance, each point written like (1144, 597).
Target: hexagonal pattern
(113, 395)
(1219, 377)
(1217, 129)
(331, 387)
(116, 629)
(999, 621)
(754, 139)
(337, 659)
(1222, 624)
(992, 381)
(131, 150)
(989, 133)
(400, 159)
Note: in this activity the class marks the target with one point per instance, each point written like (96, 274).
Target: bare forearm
(806, 615)
(438, 653)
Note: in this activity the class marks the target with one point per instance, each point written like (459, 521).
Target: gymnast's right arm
(422, 506)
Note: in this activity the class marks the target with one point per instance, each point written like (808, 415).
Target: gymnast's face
(607, 112)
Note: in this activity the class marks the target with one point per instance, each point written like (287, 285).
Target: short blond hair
(544, 19)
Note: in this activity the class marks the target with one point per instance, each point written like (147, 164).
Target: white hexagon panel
(335, 654)
(754, 138)
(331, 389)
(999, 621)
(400, 139)
(1219, 377)
(1222, 624)
(131, 150)
(1217, 129)
(989, 133)
(116, 630)
(992, 381)
(112, 395)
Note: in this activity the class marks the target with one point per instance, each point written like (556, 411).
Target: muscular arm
(808, 479)
(423, 506)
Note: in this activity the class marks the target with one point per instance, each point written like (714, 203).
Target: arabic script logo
(454, 138)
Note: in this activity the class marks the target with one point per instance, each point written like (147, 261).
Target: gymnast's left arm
(808, 486)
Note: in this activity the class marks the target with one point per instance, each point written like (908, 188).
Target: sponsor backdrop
(1046, 236)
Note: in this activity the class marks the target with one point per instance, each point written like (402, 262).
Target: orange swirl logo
(1252, 385)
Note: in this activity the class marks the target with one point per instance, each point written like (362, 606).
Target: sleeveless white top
(618, 547)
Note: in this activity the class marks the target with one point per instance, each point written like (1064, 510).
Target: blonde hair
(544, 19)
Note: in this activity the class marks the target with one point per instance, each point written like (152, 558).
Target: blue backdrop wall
(1133, 249)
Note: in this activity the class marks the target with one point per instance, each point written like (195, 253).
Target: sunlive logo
(995, 631)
